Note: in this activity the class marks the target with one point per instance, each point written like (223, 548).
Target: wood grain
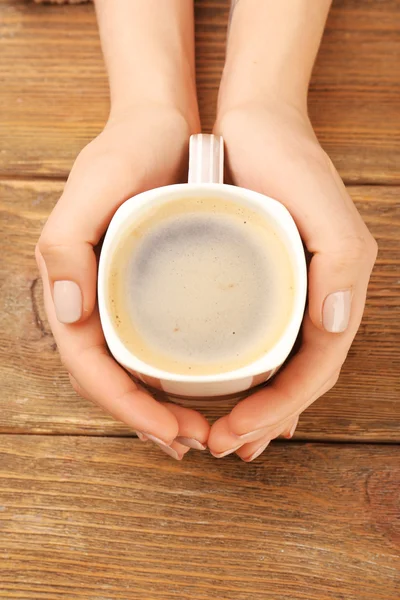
(36, 394)
(105, 519)
(55, 96)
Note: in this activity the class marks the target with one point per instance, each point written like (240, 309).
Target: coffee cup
(205, 184)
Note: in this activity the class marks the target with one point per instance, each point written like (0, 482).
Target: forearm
(271, 49)
(148, 48)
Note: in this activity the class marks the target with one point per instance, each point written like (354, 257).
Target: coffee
(200, 286)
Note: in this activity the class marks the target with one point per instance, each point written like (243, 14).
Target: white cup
(205, 180)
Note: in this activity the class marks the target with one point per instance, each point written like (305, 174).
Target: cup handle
(206, 158)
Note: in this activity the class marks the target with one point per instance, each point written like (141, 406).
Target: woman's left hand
(273, 150)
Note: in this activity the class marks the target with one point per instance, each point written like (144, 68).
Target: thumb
(71, 268)
(343, 250)
(334, 279)
(97, 185)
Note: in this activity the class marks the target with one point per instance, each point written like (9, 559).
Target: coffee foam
(200, 286)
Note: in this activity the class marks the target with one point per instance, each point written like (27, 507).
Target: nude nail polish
(163, 446)
(67, 298)
(190, 443)
(170, 451)
(289, 434)
(293, 429)
(155, 439)
(227, 452)
(336, 311)
(257, 453)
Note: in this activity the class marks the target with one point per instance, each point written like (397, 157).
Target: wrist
(157, 118)
(155, 78)
(271, 51)
(239, 89)
(148, 49)
(156, 95)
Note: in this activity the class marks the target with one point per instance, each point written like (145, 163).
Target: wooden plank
(102, 518)
(36, 395)
(55, 98)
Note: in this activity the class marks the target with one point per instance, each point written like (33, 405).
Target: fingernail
(67, 297)
(257, 453)
(290, 433)
(155, 439)
(163, 446)
(251, 436)
(190, 443)
(293, 429)
(222, 454)
(170, 451)
(141, 436)
(336, 311)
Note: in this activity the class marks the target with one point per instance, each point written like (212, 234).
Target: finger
(251, 451)
(334, 279)
(296, 387)
(84, 394)
(85, 356)
(289, 430)
(142, 437)
(112, 388)
(96, 187)
(223, 442)
(78, 388)
(193, 427)
(180, 449)
(174, 450)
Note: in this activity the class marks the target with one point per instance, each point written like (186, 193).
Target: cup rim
(269, 361)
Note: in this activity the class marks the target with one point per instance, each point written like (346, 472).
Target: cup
(206, 167)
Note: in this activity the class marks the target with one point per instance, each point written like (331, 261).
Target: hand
(133, 153)
(273, 150)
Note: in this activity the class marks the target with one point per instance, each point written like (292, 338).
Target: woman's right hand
(143, 150)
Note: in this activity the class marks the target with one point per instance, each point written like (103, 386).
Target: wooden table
(86, 510)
